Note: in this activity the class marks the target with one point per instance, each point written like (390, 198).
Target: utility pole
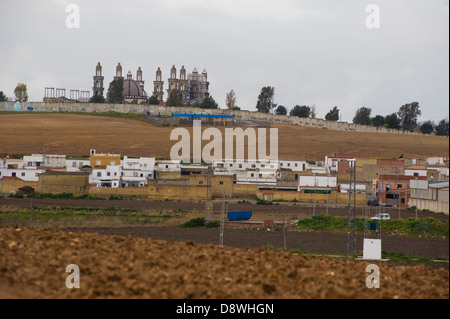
(209, 203)
(416, 197)
(222, 218)
(284, 232)
(43, 173)
(314, 211)
(328, 186)
(351, 221)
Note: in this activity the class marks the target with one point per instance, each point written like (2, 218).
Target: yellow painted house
(101, 160)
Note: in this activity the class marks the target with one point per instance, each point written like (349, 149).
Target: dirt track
(33, 265)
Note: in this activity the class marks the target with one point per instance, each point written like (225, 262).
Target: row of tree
(405, 119)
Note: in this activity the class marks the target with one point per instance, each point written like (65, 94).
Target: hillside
(70, 134)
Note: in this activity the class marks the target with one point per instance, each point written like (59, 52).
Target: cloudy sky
(314, 52)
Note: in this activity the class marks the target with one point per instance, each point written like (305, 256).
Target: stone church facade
(192, 87)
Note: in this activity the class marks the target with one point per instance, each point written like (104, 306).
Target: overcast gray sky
(314, 52)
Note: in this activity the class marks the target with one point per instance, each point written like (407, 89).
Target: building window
(167, 166)
(135, 174)
(99, 174)
(281, 164)
(115, 173)
(200, 182)
(240, 165)
(399, 186)
(263, 166)
(296, 164)
(253, 165)
(108, 174)
(296, 176)
(29, 164)
(252, 175)
(74, 164)
(416, 174)
(23, 174)
(403, 200)
(289, 164)
(221, 182)
(13, 174)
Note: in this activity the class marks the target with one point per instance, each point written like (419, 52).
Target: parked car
(383, 216)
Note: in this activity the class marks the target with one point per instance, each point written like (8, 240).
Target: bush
(263, 202)
(114, 197)
(196, 222)
(212, 224)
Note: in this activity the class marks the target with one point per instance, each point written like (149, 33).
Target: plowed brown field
(33, 264)
(71, 134)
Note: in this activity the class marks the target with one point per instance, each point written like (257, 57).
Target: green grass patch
(426, 227)
(80, 216)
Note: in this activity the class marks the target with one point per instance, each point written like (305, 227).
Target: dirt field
(76, 134)
(249, 236)
(33, 265)
(311, 242)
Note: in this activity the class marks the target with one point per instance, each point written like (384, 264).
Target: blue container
(373, 226)
(239, 215)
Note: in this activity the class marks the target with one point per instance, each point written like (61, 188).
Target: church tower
(139, 80)
(158, 85)
(183, 86)
(118, 72)
(97, 89)
(173, 81)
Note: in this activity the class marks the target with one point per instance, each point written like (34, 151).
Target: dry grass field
(70, 134)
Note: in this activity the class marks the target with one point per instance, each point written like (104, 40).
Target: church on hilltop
(191, 88)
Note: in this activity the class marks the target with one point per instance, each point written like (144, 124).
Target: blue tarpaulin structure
(211, 116)
(246, 215)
